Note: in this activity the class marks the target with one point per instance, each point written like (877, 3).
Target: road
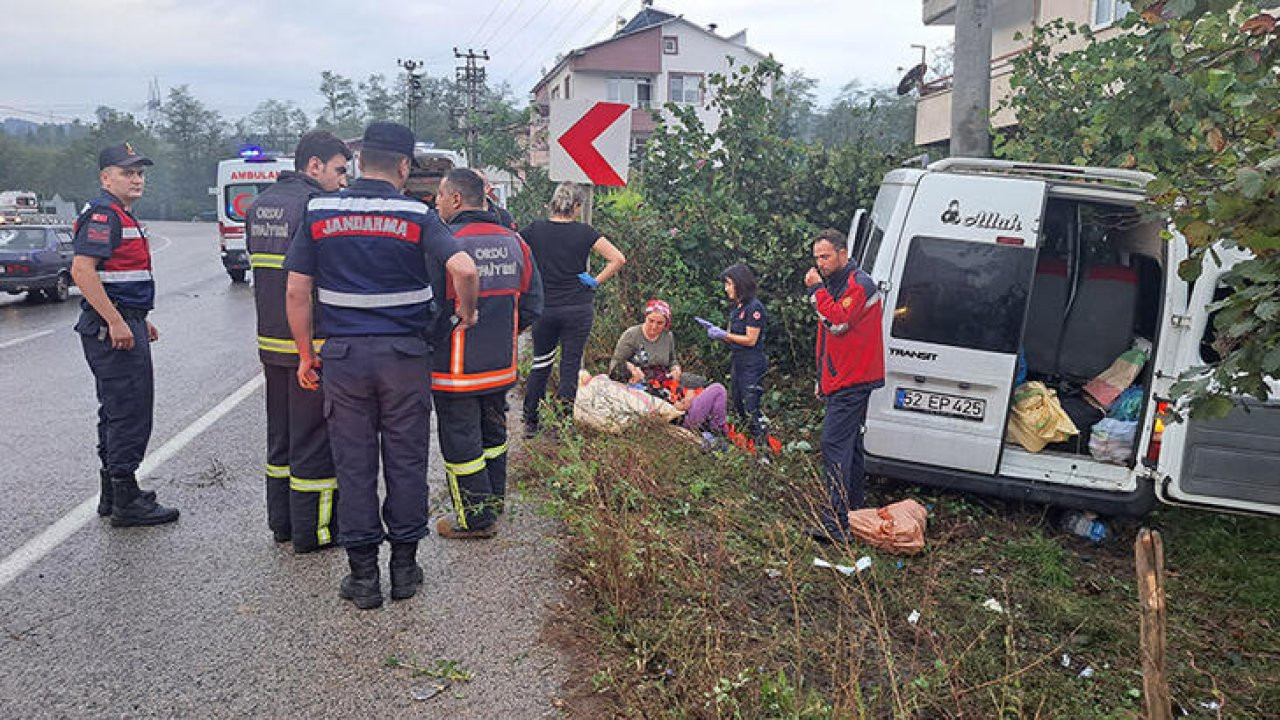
(208, 616)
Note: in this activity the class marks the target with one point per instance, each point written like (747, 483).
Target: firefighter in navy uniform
(112, 268)
(301, 485)
(471, 380)
(369, 255)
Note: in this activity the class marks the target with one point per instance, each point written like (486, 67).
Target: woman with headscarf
(562, 248)
(645, 355)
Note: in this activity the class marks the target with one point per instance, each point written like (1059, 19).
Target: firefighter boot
(105, 493)
(132, 507)
(406, 573)
(362, 586)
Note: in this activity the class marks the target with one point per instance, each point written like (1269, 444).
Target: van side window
(878, 218)
(964, 294)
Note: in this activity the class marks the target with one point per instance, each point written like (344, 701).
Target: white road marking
(24, 338)
(37, 547)
(168, 242)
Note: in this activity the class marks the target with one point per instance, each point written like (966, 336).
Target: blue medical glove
(587, 279)
(707, 324)
(716, 333)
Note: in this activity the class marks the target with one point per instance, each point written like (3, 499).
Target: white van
(240, 180)
(981, 260)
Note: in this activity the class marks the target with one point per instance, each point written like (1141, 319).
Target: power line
(558, 41)
(527, 25)
(505, 22)
(480, 28)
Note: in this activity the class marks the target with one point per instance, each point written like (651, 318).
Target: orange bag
(897, 527)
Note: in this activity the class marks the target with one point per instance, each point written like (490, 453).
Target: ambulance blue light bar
(254, 153)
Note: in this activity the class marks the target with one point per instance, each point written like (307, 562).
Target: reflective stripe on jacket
(482, 359)
(126, 275)
(371, 272)
(270, 224)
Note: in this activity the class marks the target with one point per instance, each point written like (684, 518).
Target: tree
(276, 125)
(876, 119)
(1189, 92)
(745, 192)
(379, 104)
(794, 94)
(341, 110)
(195, 139)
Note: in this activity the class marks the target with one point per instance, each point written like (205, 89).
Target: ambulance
(240, 180)
(990, 269)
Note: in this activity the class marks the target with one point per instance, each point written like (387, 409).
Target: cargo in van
(996, 273)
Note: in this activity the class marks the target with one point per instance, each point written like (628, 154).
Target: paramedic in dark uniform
(745, 337)
(301, 485)
(470, 381)
(112, 268)
(368, 254)
(850, 354)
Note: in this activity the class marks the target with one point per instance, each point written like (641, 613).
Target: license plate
(933, 403)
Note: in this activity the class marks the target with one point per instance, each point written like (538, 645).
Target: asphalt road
(208, 616)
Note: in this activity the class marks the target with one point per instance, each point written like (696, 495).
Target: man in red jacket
(850, 355)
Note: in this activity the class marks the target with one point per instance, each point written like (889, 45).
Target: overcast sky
(64, 58)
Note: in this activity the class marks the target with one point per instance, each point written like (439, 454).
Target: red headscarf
(660, 307)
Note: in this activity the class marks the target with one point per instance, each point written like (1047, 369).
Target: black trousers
(473, 441)
(377, 404)
(843, 456)
(125, 386)
(568, 327)
(746, 376)
(302, 486)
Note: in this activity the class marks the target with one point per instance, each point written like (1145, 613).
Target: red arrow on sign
(579, 142)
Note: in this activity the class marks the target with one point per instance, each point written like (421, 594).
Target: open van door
(956, 301)
(1229, 463)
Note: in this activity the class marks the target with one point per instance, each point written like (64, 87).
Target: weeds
(700, 592)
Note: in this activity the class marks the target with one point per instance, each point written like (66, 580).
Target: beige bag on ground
(896, 528)
(1037, 418)
(612, 407)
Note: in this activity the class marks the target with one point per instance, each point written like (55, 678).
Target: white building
(1009, 18)
(655, 58)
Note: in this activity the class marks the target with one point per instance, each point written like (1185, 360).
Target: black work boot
(363, 585)
(105, 493)
(131, 506)
(406, 573)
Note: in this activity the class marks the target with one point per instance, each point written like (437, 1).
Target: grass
(697, 598)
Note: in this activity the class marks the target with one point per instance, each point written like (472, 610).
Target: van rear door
(959, 289)
(1227, 463)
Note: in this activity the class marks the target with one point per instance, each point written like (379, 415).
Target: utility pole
(971, 85)
(471, 77)
(412, 90)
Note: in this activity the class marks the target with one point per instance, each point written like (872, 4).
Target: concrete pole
(971, 85)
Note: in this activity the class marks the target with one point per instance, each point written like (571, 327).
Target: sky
(64, 58)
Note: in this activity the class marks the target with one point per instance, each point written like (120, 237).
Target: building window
(636, 92)
(555, 93)
(670, 45)
(566, 87)
(685, 89)
(1108, 12)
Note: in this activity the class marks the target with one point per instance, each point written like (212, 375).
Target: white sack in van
(1112, 440)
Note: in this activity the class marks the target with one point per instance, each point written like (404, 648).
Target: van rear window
(964, 294)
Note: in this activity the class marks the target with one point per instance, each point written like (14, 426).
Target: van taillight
(1157, 433)
(1010, 240)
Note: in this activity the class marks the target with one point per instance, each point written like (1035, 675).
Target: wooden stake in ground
(1148, 552)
